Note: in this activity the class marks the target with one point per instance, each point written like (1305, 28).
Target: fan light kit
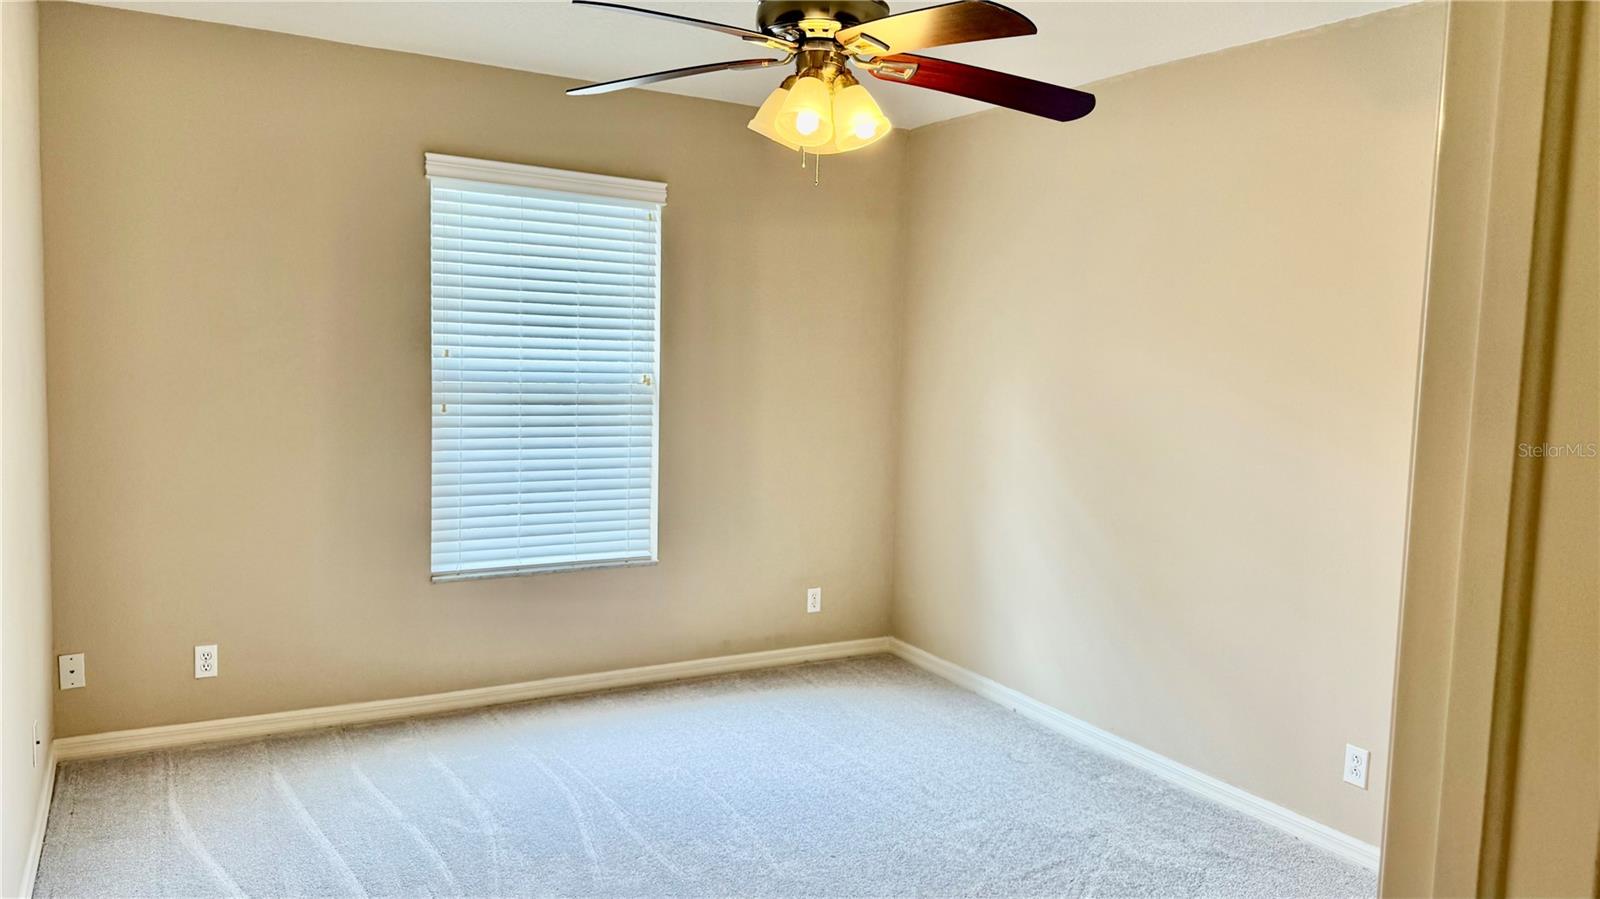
(822, 109)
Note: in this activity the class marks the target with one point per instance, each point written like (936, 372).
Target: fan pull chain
(816, 166)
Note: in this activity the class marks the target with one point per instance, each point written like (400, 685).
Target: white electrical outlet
(1355, 765)
(72, 673)
(205, 660)
(814, 599)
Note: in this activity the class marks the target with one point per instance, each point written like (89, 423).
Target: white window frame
(580, 185)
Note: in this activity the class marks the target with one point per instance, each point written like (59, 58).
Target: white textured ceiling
(1078, 42)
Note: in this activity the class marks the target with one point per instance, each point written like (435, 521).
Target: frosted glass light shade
(766, 118)
(857, 120)
(806, 117)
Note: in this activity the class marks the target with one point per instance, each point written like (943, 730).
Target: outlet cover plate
(1356, 762)
(72, 673)
(814, 600)
(205, 660)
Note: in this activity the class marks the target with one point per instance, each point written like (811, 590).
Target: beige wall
(236, 247)
(25, 667)
(1159, 370)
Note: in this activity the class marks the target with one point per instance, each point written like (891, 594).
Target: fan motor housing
(777, 17)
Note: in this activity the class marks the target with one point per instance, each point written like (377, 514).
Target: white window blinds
(545, 345)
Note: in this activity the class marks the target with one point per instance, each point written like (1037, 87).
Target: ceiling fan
(822, 109)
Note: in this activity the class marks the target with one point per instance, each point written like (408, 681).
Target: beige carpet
(864, 777)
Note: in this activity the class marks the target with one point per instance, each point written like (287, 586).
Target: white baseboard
(41, 815)
(123, 742)
(1292, 823)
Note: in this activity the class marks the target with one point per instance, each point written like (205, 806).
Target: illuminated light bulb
(861, 121)
(766, 117)
(806, 116)
(807, 121)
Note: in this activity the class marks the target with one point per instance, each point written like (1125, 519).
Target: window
(545, 346)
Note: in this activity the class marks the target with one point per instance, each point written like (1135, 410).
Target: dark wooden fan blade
(606, 87)
(1011, 91)
(937, 26)
(744, 33)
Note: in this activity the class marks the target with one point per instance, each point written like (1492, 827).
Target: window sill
(556, 568)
